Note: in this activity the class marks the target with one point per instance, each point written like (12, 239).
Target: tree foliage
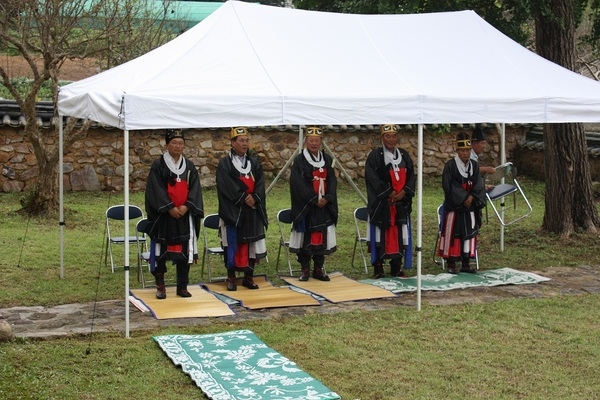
(45, 33)
(511, 21)
(512, 17)
(549, 27)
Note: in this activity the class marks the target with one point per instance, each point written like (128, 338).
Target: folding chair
(116, 214)
(506, 175)
(283, 221)
(441, 261)
(143, 250)
(361, 216)
(212, 245)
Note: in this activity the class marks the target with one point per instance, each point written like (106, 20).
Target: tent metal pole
(285, 167)
(348, 177)
(288, 162)
(126, 203)
(419, 213)
(328, 150)
(61, 218)
(502, 160)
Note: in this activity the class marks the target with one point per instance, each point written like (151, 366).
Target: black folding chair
(115, 217)
(361, 216)
(285, 223)
(212, 244)
(506, 176)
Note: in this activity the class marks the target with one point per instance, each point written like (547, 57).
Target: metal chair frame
(117, 213)
(283, 220)
(506, 175)
(143, 250)
(361, 217)
(211, 222)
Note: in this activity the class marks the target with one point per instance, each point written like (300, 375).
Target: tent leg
(61, 189)
(126, 202)
(419, 213)
(502, 131)
(285, 167)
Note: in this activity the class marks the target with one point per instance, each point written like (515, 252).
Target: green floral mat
(237, 365)
(445, 281)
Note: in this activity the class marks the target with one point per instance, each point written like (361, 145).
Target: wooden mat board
(266, 296)
(201, 304)
(340, 288)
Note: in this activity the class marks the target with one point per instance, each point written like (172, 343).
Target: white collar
(465, 170)
(392, 157)
(172, 164)
(317, 162)
(241, 163)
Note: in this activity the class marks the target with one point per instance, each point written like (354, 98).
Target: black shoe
(183, 293)
(161, 292)
(231, 284)
(468, 270)
(318, 274)
(400, 274)
(249, 283)
(304, 276)
(453, 270)
(378, 272)
(396, 270)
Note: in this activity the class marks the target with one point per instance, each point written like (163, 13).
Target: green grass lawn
(513, 349)
(32, 256)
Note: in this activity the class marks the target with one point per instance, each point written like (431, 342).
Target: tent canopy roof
(255, 65)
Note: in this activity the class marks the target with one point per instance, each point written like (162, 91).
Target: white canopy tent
(254, 65)
(262, 65)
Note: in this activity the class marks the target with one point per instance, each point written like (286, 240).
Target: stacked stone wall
(96, 162)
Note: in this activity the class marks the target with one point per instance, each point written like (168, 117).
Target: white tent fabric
(255, 65)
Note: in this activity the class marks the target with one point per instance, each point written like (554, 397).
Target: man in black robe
(464, 197)
(390, 180)
(242, 209)
(174, 207)
(313, 190)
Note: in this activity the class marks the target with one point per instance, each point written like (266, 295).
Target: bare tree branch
(46, 33)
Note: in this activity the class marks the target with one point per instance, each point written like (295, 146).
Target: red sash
(249, 182)
(316, 238)
(398, 183)
(392, 234)
(242, 255)
(319, 175)
(178, 193)
(468, 186)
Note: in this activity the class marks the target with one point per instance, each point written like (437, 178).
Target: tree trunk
(43, 199)
(569, 195)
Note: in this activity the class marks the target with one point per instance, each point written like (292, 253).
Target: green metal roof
(184, 13)
(194, 11)
(189, 12)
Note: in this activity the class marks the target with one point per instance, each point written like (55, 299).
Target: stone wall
(96, 162)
